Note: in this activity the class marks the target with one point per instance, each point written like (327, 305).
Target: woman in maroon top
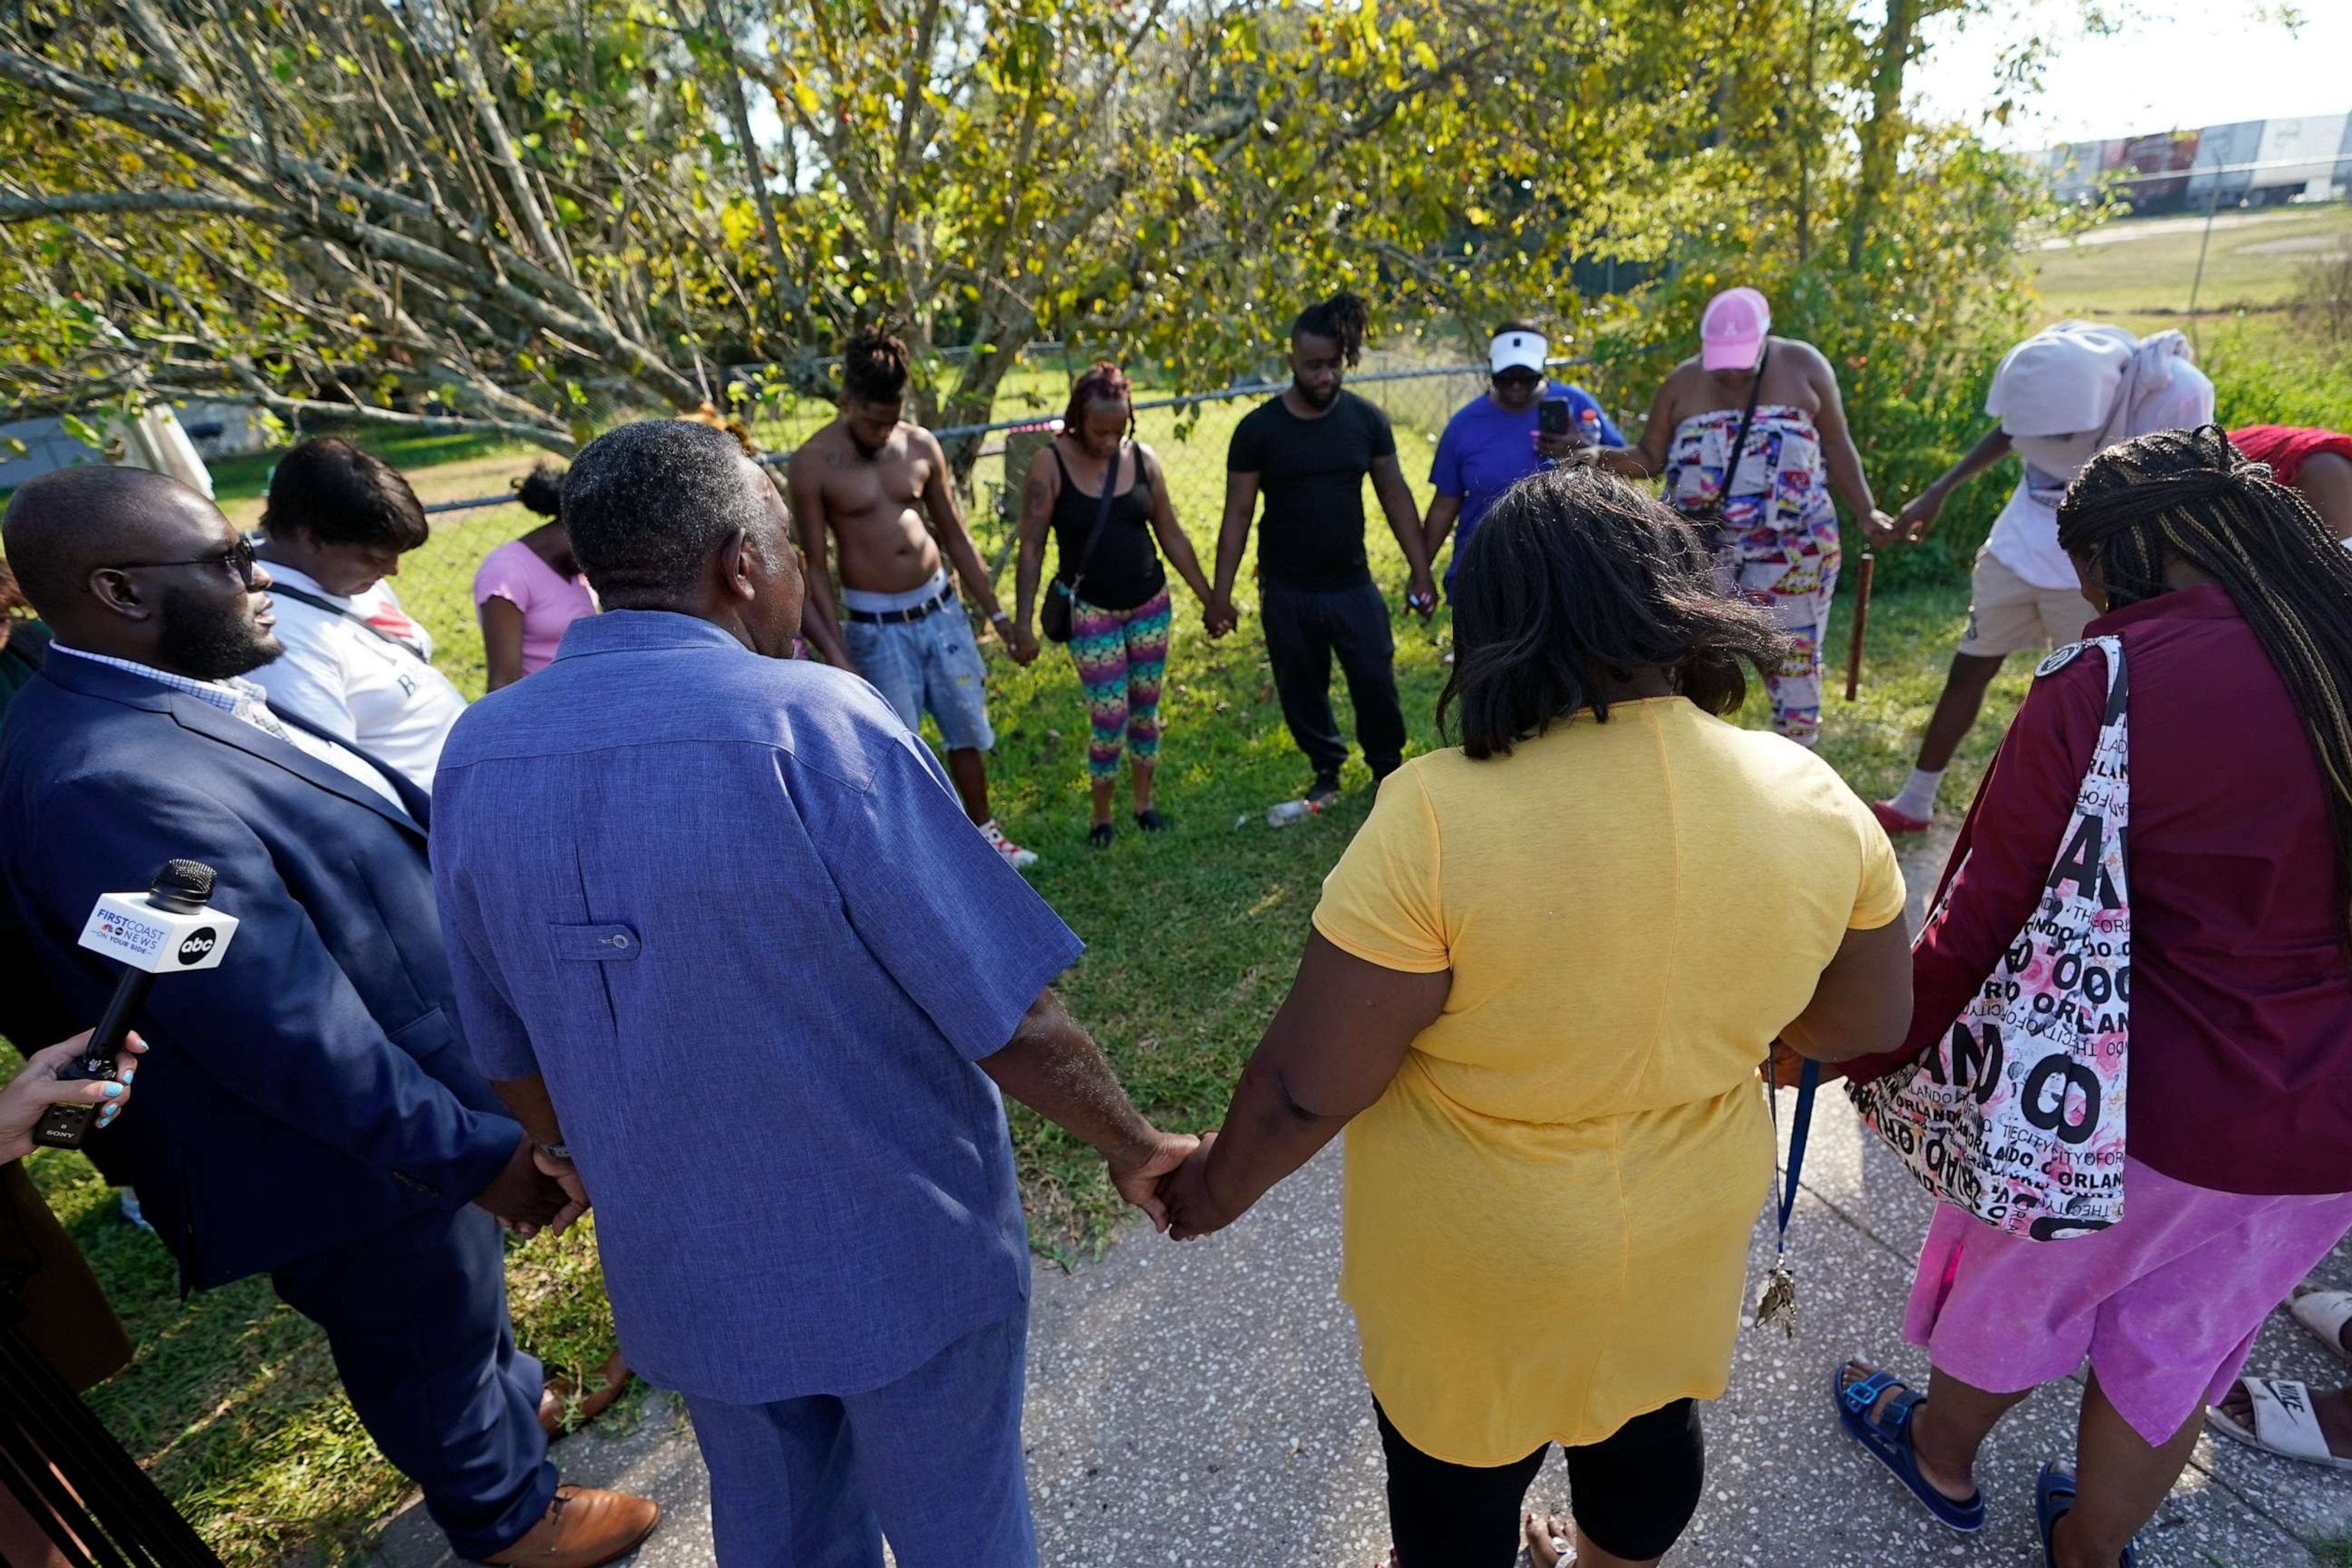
(2234, 604)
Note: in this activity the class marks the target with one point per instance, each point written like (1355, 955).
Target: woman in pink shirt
(528, 589)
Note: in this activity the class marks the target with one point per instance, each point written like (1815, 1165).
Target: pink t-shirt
(548, 601)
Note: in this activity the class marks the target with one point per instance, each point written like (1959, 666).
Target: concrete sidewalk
(1202, 1405)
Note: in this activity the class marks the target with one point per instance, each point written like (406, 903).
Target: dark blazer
(311, 1089)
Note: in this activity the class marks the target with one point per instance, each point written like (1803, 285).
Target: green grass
(2254, 262)
(232, 1401)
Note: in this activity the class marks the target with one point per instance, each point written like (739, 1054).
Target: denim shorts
(930, 666)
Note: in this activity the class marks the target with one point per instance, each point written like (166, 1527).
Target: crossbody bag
(1053, 617)
(1710, 516)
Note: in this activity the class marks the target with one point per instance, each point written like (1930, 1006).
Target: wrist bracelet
(556, 1151)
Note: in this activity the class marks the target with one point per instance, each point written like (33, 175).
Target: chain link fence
(1189, 431)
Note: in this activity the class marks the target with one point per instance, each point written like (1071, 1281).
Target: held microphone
(167, 930)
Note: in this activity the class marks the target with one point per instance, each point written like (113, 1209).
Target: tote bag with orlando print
(2016, 1115)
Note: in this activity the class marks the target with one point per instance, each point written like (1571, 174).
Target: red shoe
(1893, 821)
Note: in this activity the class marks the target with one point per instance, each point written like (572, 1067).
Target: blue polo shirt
(1486, 450)
(729, 907)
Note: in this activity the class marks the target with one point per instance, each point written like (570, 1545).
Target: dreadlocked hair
(1342, 318)
(874, 367)
(2190, 495)
(1101, 381)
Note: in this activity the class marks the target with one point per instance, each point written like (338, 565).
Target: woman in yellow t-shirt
(1536, 994)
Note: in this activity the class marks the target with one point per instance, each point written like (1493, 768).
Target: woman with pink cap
(1751, 436)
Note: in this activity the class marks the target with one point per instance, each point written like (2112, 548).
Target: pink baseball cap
(1732, 329)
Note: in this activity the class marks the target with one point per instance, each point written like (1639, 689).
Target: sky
(2174, 64)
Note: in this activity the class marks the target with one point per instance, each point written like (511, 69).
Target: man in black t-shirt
(1309, 450)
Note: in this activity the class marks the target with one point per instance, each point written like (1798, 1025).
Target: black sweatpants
(1633, 1493)
(1304, 627)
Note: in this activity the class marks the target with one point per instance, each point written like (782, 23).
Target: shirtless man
(866, 480)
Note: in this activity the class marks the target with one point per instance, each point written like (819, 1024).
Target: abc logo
(198, 945)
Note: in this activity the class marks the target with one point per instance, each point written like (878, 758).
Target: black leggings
(1633, 1493)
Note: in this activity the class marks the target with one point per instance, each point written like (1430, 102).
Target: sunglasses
(237, 558)
(1516, 376)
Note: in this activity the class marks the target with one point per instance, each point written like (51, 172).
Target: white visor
(1521, 350)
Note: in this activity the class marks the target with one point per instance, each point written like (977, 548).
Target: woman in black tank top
(1119, 608)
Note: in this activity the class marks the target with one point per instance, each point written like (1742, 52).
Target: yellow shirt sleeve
(1880, 896)
(1381, 904)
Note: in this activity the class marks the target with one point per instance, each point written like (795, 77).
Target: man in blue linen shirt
(1493, 442)
(728, 945)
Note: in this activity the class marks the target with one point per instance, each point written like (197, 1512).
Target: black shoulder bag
(1710, 518)
(1054, 616)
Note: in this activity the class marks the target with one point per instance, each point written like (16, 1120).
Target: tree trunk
(719, 26)
(974, 398)
(1882, 136)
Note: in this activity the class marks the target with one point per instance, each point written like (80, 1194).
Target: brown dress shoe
(582, 1528)
(604, 1385)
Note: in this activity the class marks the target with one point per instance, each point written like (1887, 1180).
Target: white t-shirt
(2025, 535)
(384, 697)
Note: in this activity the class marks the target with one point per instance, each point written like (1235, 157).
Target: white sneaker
(1020, 860)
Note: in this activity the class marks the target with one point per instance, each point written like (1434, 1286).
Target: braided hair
(874, 365)
(2189, 495)
(1101, 381)
(1342, 318)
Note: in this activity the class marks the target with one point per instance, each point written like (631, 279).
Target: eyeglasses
(237, 558)
(1516, 376)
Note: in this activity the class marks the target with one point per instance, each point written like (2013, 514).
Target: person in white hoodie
(334, 528)
(2059, 398)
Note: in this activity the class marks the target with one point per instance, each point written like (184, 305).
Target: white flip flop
(2325, 1313)
(2284, 1423)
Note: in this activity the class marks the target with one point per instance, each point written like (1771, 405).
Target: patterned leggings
(1121, 655)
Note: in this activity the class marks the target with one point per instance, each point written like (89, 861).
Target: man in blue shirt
(726, 944)
(1494, 442)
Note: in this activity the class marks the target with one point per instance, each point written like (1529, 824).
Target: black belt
(938, 601)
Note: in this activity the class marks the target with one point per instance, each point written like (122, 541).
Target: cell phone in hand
(1554, 418)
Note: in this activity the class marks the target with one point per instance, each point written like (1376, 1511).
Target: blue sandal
(2053, 1495)
(1887, 1438)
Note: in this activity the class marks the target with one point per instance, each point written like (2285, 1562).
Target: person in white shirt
(334, 528)
(2059, 398)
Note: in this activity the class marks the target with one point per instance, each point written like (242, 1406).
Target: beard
(205, 640)
(1313, 399)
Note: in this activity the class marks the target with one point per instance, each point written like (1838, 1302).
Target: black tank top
(1124, 572)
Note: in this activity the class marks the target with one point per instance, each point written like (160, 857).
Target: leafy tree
(517, 216)
(402, 213)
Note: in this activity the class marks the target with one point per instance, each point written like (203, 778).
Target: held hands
(564, 1175)
(1138, 1171)
(1909, 525)
(1193, 1210)
(526, 1199)
(36, 1087)
(1218, 615)
(1420, 594)
(1781, 1069)
(1022, 644)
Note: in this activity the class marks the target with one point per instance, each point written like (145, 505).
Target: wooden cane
(1861, 620)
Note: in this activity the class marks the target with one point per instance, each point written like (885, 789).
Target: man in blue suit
(308, 1109)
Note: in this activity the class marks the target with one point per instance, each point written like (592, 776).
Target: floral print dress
(1779, 543)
